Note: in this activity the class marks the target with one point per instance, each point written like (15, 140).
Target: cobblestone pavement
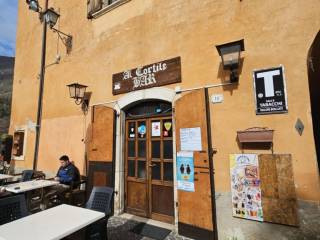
(119, 229)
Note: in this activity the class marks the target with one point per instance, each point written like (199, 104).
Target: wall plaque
(153, 75)
(270, 91)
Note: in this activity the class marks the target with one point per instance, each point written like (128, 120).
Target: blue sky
(8, 26)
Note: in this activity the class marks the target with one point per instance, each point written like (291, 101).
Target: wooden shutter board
(100, 146)
(195, 207)
(277, 189)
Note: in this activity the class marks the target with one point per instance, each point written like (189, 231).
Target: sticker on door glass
(142, 130)
(167, 128)
(131, 132)
(155, 129)
(132, 129)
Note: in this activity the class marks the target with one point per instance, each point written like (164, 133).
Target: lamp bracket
(78, 101)
(85, 106)
(65, 38)
(234, 75)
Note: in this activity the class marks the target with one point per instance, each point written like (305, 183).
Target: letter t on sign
(268, 81)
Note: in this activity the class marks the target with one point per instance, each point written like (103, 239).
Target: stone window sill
(18, 158)
(109, 8)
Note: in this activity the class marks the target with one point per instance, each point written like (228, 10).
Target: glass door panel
(136, 168)
(161, 169)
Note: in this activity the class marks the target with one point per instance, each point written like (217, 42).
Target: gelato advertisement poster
(245, 186)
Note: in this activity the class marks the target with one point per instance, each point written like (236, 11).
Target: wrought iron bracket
(65, 38)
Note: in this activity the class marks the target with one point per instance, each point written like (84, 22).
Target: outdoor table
(51, 224)
(13, 179)
(29, 185)
(5, 176)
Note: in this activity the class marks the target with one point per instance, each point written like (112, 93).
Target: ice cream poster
(245, 186)
(185, 171)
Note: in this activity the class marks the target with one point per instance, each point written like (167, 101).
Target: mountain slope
(6, 78)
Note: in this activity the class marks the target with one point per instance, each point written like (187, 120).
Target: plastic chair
(27, 175)
(100, 200)
(12, 208)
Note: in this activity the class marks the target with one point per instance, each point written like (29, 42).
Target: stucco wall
(141, 32)
(61, 136)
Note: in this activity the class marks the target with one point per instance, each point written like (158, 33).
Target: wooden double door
(149, 168)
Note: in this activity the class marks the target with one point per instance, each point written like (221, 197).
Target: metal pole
(41, 85)
(211, 167)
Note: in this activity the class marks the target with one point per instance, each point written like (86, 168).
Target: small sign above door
(153, 75)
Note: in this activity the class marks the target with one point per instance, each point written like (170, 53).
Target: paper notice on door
(190, 139)
(155, 129)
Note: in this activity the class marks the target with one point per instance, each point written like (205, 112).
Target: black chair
(77, 194)
(27, 175)
(100, 200)
(12, 208)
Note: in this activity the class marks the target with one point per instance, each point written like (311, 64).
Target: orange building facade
(124, 40)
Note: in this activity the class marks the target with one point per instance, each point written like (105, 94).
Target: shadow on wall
(313, 63)
(224, 76)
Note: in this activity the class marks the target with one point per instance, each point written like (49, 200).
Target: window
(99, 7)
(18, 147)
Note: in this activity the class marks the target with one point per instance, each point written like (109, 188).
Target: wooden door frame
(149, 182)
(126, 167)
(158, 216)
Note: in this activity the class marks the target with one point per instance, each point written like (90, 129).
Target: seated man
(68, 176)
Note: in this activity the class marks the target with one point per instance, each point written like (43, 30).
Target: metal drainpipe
(41, 85)
(211, 167)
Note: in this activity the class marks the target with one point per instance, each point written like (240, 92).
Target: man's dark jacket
(69, 174)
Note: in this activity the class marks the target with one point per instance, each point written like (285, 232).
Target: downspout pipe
(211, 166)
(41, 86)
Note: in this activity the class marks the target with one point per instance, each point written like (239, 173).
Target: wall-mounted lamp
(51, 17)
(230, 56)
(33, 5)
(78, 93)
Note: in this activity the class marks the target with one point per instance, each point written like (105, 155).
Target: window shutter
(18, 142)
(190, 215)
(93, 6)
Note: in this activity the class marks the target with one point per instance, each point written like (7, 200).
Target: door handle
(152, 165)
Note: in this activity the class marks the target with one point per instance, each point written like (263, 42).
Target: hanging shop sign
(270, 91)
(185, 171)
(153, 75)
(245, 186)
